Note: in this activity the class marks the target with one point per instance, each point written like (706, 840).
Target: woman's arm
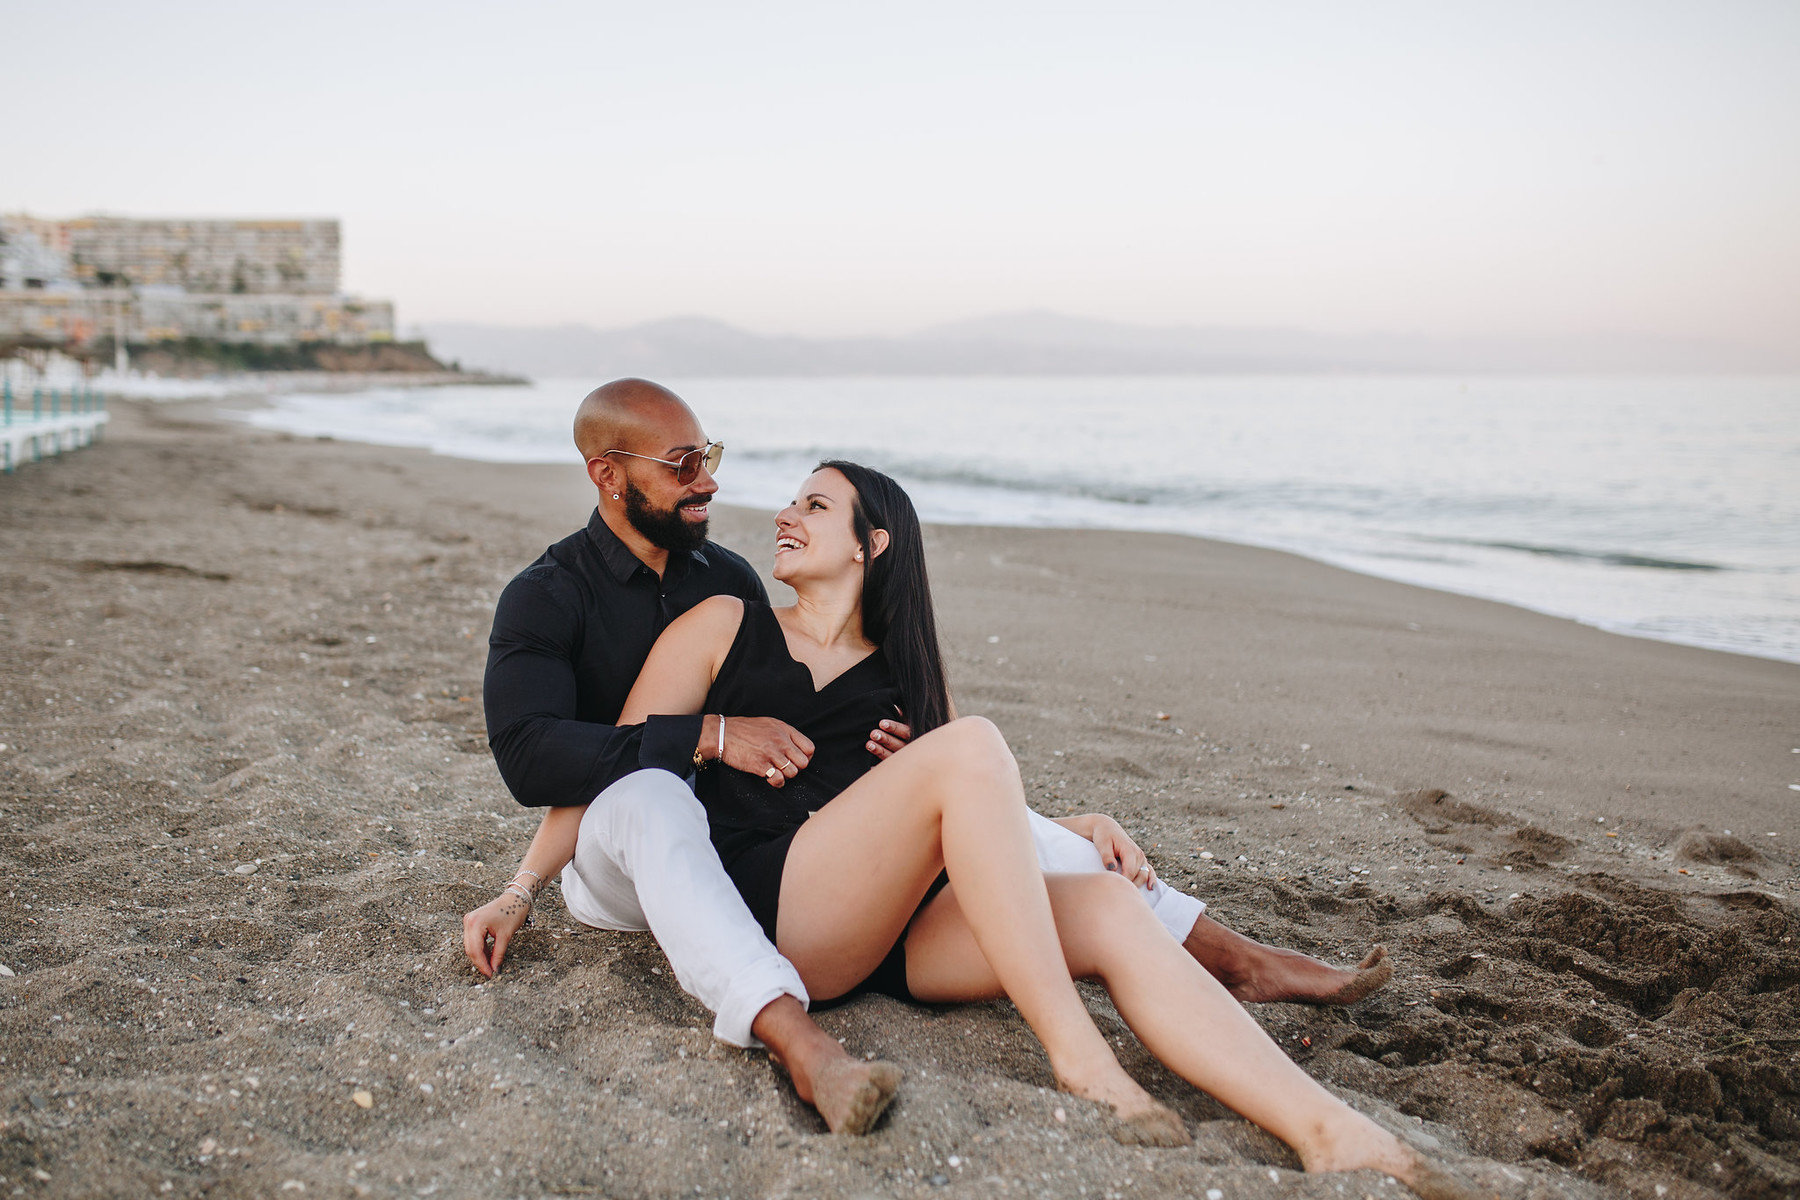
(685, 661)
(500, 919)
(1117, 851)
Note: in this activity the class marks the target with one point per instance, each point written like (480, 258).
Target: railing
(73, 419)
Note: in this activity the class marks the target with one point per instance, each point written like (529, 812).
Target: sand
(245, 797)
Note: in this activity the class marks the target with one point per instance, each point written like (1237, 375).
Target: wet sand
(246, 797)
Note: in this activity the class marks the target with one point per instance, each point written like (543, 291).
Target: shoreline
(1606, 602)
(222, 648)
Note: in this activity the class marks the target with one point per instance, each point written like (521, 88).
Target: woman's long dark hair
(897, 613)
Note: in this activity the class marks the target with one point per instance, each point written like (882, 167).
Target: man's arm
(544, 754)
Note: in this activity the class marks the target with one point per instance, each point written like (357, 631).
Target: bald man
(572, 631)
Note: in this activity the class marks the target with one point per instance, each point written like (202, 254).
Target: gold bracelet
(700, 759)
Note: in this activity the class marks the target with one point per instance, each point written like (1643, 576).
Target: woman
(845, 862)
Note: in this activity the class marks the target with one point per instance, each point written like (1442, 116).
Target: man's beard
(668, 530)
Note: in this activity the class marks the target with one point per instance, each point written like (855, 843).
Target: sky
(1503, 169)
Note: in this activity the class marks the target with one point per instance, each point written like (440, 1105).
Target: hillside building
(276, 282)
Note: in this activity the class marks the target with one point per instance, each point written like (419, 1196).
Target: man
(572, 631)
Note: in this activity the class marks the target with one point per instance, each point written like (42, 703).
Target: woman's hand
(892, 735)
(497, 921)
(1119, 853)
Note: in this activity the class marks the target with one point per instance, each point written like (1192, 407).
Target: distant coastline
(188, 357)
(1045, 343)
(191, 368)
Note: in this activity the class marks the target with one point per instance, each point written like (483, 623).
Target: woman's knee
(972, 743)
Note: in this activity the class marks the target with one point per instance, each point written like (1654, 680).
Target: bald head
(627, 414)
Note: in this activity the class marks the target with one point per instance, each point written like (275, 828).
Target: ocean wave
(949, 471)
(1610, 558)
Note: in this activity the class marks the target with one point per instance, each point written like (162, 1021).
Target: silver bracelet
(721, 737)
(520, 890)
(530, 872)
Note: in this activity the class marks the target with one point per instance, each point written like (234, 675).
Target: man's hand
(765, 746)
(1118, 852)
(496, 921)
(892, 736)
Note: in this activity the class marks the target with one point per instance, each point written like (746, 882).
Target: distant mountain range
(1045, 343)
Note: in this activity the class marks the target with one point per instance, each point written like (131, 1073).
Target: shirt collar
(623, 564)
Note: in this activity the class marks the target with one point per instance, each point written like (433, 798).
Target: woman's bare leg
(1181, 1013)
(856, 871)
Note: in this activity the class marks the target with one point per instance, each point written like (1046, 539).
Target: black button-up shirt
(571, 633)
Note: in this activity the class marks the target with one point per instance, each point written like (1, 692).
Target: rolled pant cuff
(751, 991)
(1176, 910)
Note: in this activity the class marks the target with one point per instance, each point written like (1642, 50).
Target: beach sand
(246, 797)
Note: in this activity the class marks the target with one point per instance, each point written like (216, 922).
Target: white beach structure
(45, 415)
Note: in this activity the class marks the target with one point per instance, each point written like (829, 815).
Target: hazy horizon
(1047, 343)
(1525, 171)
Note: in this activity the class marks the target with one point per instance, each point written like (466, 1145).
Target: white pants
(644, 860)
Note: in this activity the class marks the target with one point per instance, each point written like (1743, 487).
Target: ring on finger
(772, 772)
(787, 765)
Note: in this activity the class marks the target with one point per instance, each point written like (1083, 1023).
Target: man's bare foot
(1253, 972)
(852, 1095)
(1139, 1119)
(849, 1093)
(1369, 977)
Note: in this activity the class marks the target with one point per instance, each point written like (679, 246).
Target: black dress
(752, 823)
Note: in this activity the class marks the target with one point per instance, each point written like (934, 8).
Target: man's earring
(615, 495)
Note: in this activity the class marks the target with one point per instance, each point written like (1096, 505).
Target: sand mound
(1699, 846)
(1437, 810)
(1627, 1033)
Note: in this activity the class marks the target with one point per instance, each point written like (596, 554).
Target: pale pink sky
(1510, 168)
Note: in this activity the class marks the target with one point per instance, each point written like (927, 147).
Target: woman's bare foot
(1139, 1119)
(1253, 972)
(1361, 1145)
(1156, 1126)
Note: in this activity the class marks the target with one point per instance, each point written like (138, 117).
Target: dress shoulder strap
(758, 645)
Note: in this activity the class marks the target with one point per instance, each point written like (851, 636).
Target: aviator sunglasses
(687, 467)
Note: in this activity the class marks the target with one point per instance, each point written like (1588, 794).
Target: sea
(1664, 508)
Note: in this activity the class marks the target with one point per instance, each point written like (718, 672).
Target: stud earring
(859, 556)
(615, 495)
